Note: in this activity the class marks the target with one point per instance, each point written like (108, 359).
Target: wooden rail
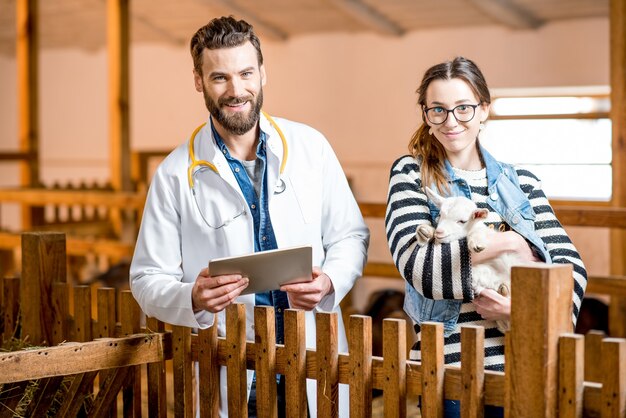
(590, 216)
(42, 197)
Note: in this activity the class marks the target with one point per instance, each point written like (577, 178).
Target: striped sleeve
(558, 243)
(437, 271)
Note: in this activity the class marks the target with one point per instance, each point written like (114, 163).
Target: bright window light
(572, 156)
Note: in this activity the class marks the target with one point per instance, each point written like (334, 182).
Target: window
(565, 139)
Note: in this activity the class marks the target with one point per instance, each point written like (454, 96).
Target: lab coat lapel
(206, 149)
(274, 155)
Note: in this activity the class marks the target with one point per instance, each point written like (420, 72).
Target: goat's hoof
(504, 290)
(424, 234)
(476, 247)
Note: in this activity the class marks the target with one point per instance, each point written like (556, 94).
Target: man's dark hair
(222, 32)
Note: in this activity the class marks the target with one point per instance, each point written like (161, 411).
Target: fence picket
(61, 312)
(394, 365)
(472, 371)
(571, 371)
(157, 389)
(43, 263)
(593, 349)
(295, 360)
(183, 370)
(327, 364)
(129, 318)
(432, 370)
(82, 314)
(209, 390)
(360, 348)
(614, 380)
(265, 364)
(236, 375)
(11, 305)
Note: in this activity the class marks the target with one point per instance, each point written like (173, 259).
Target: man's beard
(238, 123)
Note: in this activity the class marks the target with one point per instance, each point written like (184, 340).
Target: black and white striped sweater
(442, 271)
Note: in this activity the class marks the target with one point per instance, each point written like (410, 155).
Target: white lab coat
(316, 208)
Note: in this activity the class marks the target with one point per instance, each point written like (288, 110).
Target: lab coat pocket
(308, 194)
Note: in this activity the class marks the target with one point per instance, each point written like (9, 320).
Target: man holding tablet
(243, 183)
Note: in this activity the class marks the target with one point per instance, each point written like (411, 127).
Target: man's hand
(213, 294)
(492, 306)
(307, 295)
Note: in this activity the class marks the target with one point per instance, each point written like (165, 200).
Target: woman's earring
(430, 131)
(481, 126)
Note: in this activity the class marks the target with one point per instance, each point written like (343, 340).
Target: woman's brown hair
(425, 145)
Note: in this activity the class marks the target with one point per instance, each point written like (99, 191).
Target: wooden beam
(261, 27)
(617, 308)
(72, 358)
(591, 216)
(508, 13)
(16, 156)
(27, 59)
(368, 16)
(41, 197)
(118, 38)
(77, 246)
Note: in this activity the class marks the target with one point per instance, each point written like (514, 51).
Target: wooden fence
(544, 376)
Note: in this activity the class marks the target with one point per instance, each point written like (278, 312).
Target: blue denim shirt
(264, 238)
(508, 200)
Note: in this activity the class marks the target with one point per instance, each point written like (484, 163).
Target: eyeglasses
(438, 115)
(216, 214)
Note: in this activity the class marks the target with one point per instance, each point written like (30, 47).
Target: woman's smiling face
(458, 138)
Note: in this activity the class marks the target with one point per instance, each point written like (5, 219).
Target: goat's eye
(461, 222)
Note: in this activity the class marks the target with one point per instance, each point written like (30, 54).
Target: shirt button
(264, 238)
(515, 220)
(494, 196)
(224, 151)
(279, 310)
(253, 206)
(236, 169)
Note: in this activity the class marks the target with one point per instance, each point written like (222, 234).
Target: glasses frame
(473, 106)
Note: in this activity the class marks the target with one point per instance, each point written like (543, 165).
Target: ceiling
(82, 23)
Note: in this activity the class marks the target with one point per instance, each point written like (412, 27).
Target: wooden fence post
(541, 310)
(360, 344)
(326, 347)
(295, 354)
(43, 263)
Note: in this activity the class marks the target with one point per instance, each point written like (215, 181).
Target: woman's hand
(492, 306)
(498, 243)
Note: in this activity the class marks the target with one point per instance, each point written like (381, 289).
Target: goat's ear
(480, 214)
(434, 197)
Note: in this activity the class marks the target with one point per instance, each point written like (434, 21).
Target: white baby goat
(459, 217)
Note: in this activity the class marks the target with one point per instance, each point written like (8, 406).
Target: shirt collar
(494, 168)
(224, 149)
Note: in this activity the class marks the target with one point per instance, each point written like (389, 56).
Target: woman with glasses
(446, 156)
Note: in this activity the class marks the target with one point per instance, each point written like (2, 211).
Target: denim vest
(508, 200)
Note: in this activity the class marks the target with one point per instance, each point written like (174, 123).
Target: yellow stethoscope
(199, 163)
(280, 187)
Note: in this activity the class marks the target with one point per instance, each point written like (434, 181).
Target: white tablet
(268, 270)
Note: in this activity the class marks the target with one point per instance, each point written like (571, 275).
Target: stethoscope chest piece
(280, 186)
